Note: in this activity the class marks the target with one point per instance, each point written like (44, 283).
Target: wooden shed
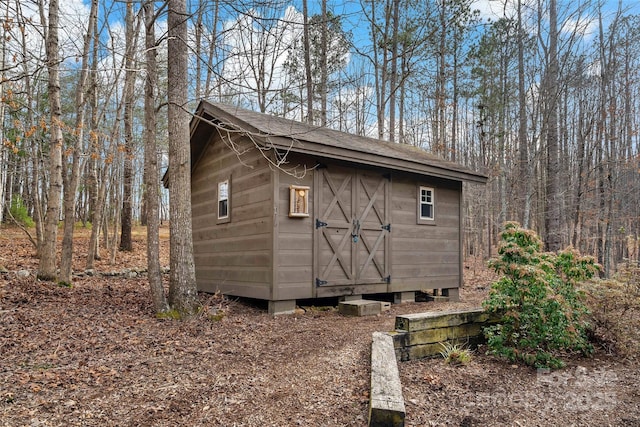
(284, 211)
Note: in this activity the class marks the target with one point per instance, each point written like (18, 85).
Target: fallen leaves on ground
(95, 355)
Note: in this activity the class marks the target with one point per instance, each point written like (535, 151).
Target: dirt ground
(95, 355)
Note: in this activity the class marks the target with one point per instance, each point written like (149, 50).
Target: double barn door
(352, 227)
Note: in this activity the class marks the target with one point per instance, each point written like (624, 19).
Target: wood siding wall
(294, 244)
(425, 256)
(263, 253)
(234, 257)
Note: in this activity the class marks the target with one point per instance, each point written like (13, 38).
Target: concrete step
(362, 307)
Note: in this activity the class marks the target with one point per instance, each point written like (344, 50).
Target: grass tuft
(455, 354)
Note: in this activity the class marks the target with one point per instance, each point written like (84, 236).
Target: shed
(284, 210)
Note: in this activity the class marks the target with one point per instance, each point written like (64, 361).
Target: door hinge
(387, 279)
(320, 282)
(387, 227)
(320, 223)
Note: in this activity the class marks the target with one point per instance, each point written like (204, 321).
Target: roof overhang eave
(377, 160)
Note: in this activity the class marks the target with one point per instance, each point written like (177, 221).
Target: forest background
(541, 96)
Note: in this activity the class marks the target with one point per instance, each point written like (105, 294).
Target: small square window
(426, 205)
(298, 201)
(223, 199)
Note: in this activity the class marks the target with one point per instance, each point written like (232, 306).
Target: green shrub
(19, 212)
(542, 312)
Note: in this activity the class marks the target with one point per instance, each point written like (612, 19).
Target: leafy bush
(542, 312)
(19, 212)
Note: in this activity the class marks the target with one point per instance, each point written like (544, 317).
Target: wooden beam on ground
(386, 404)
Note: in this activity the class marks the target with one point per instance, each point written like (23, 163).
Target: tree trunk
(94, 252)
(71, 179)
(36, 199)
(403, 91)
(129, 82)
(198, 48)
(324, 73)
(554, 199)
(37, 180)
(380, 65)
(307, 61)
(99, 214)
(393, 78)
(47, 266)
(605, 134)
(4, 155)
(501, 152)
(92, 174)
(212, 50)
(182, 282)
(454, 99)
(151, 165)
(583, 130)
(525, 187)
(115, 217)
(441, 144)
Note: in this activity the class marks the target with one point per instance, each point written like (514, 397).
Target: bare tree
(72, 177)
(307, 61)
(393, 79)
(151, 181)
(313, 70)
(550, 118)
(439, 134)
(553, 231)
(129, 85)
(3, 149)
(47, 266)
(212, 57)
(257, 45)
(104, 179)
(380, 59)
(324, 73)
(182, 282)
(525, 171)
(93, 151)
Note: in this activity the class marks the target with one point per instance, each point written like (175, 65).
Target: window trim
(227, 217)
(295, 199)
(423, 219)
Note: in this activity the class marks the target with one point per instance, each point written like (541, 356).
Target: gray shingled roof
(328, 143)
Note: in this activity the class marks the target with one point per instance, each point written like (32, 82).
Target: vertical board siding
(335, 199)
(352, 245)
(233, 257)
(424, 256)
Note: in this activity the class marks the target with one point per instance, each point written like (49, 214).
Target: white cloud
(74, 15)
(495, 9)
(586, 28)
(74, 18)
(256, 54)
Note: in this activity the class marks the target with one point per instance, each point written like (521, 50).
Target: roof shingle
(324, 142)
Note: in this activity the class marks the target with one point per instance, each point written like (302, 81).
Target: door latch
(355, 233)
